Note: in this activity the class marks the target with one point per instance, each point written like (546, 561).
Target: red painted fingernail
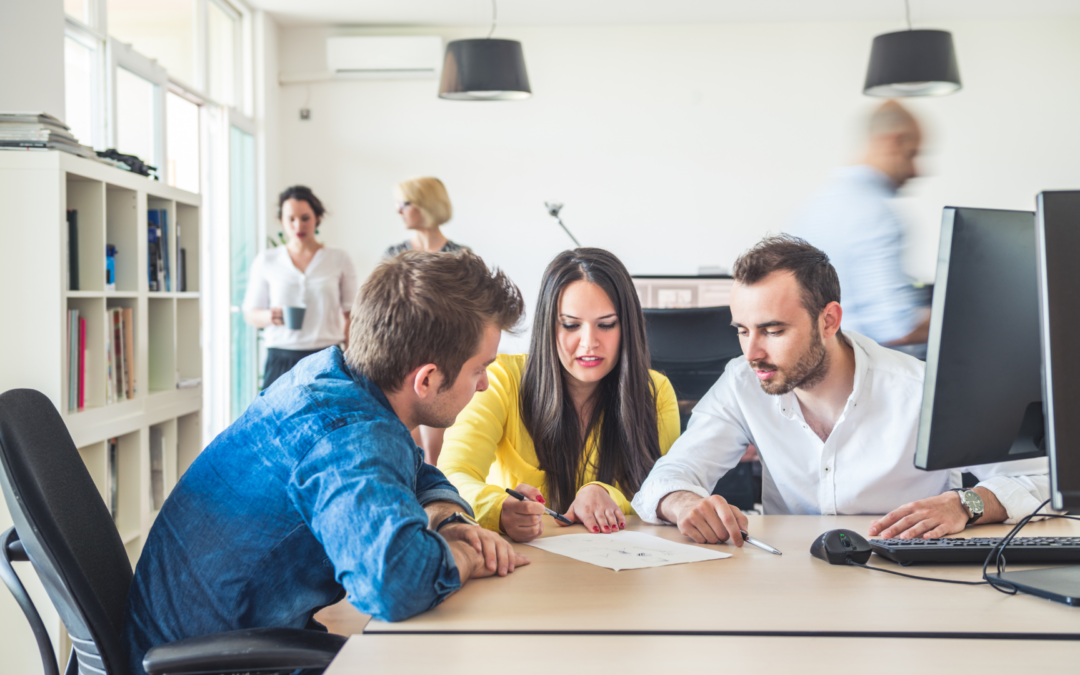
(606, 528)
(622, 526)
(540, 498)
(595, 529)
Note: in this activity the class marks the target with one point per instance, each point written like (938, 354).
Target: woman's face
(412, 216)
(588, 333)
(298, 220)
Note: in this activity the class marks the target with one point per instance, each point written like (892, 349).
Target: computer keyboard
(975, 550)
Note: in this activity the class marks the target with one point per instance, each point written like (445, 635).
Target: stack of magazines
(39, 131)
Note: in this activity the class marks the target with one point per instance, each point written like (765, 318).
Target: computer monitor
(982, 395)
(691, 346)
(1058, 246)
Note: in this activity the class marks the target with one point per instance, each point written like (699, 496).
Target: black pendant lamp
(912, 63)
(485, 69)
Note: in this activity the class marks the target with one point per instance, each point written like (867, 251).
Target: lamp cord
(907, 13)
(495, 18)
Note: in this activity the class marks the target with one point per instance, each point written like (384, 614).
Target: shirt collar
(789, 403)
(864, 173)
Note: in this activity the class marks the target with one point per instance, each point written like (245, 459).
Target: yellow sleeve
(667, 422)
(468, 449)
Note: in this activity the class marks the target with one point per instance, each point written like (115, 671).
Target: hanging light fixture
(912, 63)
(485, 69)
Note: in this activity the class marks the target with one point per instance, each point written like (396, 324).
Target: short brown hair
(811, 267)
(419, 308)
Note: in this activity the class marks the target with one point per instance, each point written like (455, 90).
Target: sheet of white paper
(625, 550)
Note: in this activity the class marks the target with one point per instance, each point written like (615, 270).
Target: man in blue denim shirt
(318, 491)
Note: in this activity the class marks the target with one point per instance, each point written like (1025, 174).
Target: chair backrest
(691, 346)
(65, 528)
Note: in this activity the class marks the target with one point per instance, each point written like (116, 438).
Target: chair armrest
(249, 650)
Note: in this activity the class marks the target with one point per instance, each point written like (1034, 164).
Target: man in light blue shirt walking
(851, 220)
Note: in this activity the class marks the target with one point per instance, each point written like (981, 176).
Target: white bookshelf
(36, 189)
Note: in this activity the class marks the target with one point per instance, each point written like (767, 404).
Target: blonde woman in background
(424, 206)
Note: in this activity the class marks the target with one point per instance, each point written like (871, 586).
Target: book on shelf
(113, 476)
(158, 220)
(39, 131)
(120, 366)
(181, 270)
(73, 359)
(82, 363)
(157, 468)
(129, 350)
(73, 249)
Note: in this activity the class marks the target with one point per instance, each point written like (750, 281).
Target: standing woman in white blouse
(302, 273)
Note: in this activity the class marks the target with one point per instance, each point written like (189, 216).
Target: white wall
(32, 56)
(673, 146)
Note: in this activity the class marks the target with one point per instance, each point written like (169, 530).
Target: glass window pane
(78, 91)
(160, 29)
(242, 249)
(221, 42)
(135, 104)
(77, 9)
(182, 142)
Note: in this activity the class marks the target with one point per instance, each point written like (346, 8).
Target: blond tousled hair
(429, 195)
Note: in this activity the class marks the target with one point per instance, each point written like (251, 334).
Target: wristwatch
(972, 502)
(462, 517)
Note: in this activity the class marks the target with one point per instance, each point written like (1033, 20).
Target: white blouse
(326, 289)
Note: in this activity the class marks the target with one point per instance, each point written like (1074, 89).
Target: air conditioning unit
(385, 56)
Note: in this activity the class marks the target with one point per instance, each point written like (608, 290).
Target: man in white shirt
(834, 417)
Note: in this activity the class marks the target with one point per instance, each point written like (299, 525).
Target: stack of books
(39, 131)
(158, 254)
(120, 367)
(76, 361)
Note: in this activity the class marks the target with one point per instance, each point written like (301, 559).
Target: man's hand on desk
(706, 521)
(936, 517)
(479, 552)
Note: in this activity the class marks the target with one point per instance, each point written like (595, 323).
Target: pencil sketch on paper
(625, 550)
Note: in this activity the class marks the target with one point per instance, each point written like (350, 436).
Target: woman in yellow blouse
(579, 422)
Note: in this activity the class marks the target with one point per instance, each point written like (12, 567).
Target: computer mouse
(836, 547)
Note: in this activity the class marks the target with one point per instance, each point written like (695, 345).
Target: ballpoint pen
(760, 544)
(557, 516)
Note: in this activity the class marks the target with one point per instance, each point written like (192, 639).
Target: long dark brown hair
(625, 401)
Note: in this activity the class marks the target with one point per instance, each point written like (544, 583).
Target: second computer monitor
(982, 396)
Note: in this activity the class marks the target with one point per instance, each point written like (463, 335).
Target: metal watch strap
(974, 516)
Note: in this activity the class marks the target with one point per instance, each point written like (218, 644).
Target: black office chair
(692, 347)
(64, 530)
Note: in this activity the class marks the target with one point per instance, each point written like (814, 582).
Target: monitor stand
(1060, 584)
(1031, 438)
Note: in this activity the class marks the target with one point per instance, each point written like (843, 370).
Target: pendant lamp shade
(912, 63)
(484, 69)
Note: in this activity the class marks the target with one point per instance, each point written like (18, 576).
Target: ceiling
(614, 12)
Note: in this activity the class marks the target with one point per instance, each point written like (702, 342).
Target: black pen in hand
(557, 516)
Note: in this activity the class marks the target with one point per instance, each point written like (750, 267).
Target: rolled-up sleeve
(715, 439)
(1020, 486)
(433, 486)
(361, 506)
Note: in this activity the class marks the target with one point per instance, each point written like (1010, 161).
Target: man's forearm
(673, 502)
(993, 510)
(440, 511)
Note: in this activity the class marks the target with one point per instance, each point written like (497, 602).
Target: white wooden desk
(656, 654)
(751, 593)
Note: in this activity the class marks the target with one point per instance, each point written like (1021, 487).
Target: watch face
(973, 501)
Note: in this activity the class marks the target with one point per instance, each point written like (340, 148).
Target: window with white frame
(163, 30)
(81, 77)
(182, 142)
(222, 42)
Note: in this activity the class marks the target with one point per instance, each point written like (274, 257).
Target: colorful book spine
(118, 353)
(82, 363)
(151, 254)
(129, 350)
